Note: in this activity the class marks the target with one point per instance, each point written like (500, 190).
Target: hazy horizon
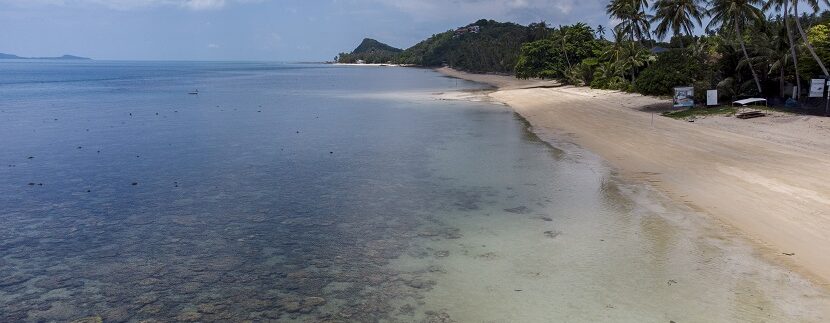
(252, 30)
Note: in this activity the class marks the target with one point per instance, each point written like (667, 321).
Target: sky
(264, 30)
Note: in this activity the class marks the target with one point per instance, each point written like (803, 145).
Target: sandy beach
(767, 179)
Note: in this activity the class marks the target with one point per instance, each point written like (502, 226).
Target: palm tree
(600, 31)
(813, 5)
(737, 15)
(785, 13)
(677, 15)
(634, 21)
(772, 49)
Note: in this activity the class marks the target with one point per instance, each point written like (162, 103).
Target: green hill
(484, 46)
(370, 51)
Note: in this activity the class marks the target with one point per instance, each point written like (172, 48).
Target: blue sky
(274, 30)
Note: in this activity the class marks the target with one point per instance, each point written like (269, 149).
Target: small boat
(196, 92)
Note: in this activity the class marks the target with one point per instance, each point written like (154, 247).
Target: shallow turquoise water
(125, 197)
(327, 193)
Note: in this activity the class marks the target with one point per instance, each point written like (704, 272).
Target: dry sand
(769, 178)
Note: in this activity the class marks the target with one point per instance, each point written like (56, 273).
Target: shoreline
(747, 175)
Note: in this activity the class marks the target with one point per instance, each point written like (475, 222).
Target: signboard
(816, 88)
(712, 97)
(684, 97)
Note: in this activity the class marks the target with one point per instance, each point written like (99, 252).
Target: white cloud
(213, 46)
(522, 11)
(129, 4)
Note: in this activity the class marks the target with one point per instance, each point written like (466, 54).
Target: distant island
(68, 57)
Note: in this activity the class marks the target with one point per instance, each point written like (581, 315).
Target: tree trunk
(564, 49)
(807, 41)
(746, 55)
(792, 50)
(781, 82)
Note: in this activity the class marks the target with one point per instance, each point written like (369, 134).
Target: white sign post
(816, 88)
(712, 97)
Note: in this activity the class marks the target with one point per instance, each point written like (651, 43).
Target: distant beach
(767, 177)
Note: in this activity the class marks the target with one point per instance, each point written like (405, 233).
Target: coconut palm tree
(677, 15)
(813, 5)
(785, 13)
(736, 15)
(600, 31)
(772, 48)
(634, 21)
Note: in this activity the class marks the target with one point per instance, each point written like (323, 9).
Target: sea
(326, 193)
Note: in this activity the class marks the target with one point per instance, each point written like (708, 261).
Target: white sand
(768, 178)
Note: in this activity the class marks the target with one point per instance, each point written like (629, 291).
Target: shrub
(672, 68)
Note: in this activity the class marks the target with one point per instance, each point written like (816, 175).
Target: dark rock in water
(552, 234)
(13, 280)
(208, 308)
(290, 306)
(91, 319)
(441, 254)
(145, 299)
(313, 301)
(134, 184)
(31, 184)
(120, 314)
(407, 309)
(435, 317)
(419, 283)
(518, 210)
(189, 316)
(31, 157)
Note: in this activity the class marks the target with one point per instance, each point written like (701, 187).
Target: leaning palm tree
(677, 15)
(736, 15)
(785, 13)
(814, 4)
(772, 48)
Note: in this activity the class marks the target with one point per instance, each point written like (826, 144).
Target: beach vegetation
(748, 48)
(670, 69)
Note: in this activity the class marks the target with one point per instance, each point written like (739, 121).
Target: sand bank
(768, 178)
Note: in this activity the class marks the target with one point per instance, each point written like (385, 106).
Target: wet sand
(747, 202)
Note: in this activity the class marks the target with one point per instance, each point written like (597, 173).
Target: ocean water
(314, 193)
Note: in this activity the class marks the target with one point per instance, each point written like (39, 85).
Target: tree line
(742, 51)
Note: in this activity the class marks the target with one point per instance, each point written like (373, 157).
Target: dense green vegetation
(370, 51)
(749, 48)
(494, 47)
(743, 52)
